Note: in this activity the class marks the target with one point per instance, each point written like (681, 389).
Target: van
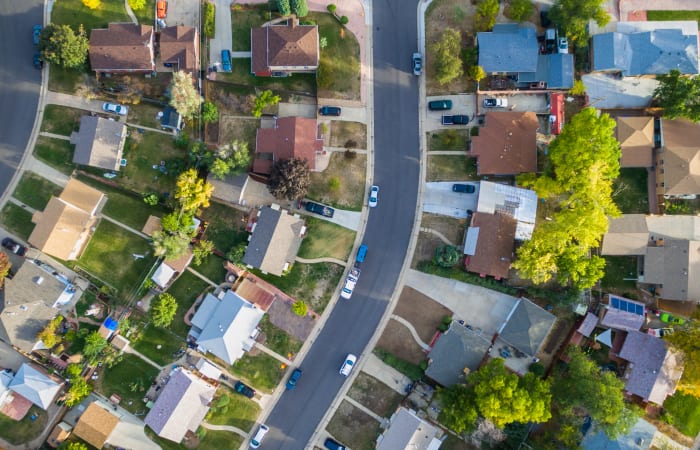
(226, 60)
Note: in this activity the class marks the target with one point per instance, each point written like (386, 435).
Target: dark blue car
(292, 382)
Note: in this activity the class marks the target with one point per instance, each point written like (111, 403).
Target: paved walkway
(447, 152)
(125, 226)
(275, 355)
(412, 330)
(211, 426)
(54, 135)
(375, 367)
(44, 170)
(365, 409)
(201, 277)
(129, 12)
(438, 234)
(156, 130)
(360, 151)
(129, 349)
(319, 260)
(241, 54)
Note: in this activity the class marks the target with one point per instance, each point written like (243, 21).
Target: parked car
(330, 444)
(660, 332)
(244, 389)
(563, 46)
(457, 119)
(162, 9)
(440, 105)
(498, 102)
(325, 211)
(329, 111)
(14, 247)
(350, 282)
(348, 365)
(259, 436)
(463, 188)
(361, 253)
(38, 63)
(116, 109)
(373, 196)
(37, 34)
(668, 318)
(226, 60)
(292, 381)
(417, 63)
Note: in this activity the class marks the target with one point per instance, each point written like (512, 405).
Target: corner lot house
(179, 48)
(96, 424)
(506, 144)
(64, 228)
(122, 48)
(279, 50)
(290, 137)
(99, 143)
(275, 240)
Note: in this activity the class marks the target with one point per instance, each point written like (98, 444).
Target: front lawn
(216, 440)
(57, 153)
(225, 226)
(144, 153)
(109, 257)
(449, 140)
(185, 289)
(342, 184)
(342, 132)
(158, 344)
(61, 120)
(146, 14)
(277, 339)
(17, 219)
(68, 80)
(130, 379)
(35, 191)
(451, 168)
(261, 371)
(237, 411)
(339, 66)
(630, 191)
(673, 15)
(354, 427)
(240, 75)
(685, 413)
(74, 13)
(326, 239)
(243, 18)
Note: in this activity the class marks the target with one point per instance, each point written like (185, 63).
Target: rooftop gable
(99, 143)
(35, 386)
(289, 47)
(122, 47)
(275, 241)
(527, 326)
(680, 157)
(457, 352)
(636, 137)
(179, 45)
(508, 49)
(96, 424)
(493, 250)
(407, 430)
(506, 144)
(291, 137)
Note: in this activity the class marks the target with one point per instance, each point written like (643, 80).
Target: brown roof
(99, 143)
(122, 47)
(495, 236)
(291, 137)
(152, 224)
(64, 227)
(636, 137)
(256, 293)
(180, 45)
(95, 425)
(181, 263)
(681, 157)
(59, 434)
(506, 144)
(289, 48)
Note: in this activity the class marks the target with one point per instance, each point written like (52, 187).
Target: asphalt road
(19, 82)
(353, 322)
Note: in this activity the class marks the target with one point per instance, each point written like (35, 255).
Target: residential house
(290, 137)
(408, 430)
(122, 48)
(59, 434)
(99, 143)
(275, 240)
(519, 203)
(674, 265)
(280, 50)
(181, 406)
(457, 352)
(488, 244)
(179, 48)
(639, 437)
(636, 137)
(526, 327)
(35, 385)
(678, 159)
(506, 144)
(654, 369)
(65, 226)
(170, 269)
(32, 298)
(225, 326)
(96, 424)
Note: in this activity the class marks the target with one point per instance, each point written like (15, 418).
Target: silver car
(116, 109)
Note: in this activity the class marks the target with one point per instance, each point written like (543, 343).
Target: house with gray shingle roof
(457, 352)
(99, 143)
(526, 327)
(408, 431)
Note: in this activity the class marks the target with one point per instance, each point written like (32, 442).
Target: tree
(137, 5)
(678, 95)
(219, 168)
(686, 338)
(289, 179)
(79, 389)
(201, 250)
(299, 7)
(265, 99)
(210, 113)
(183, 95)
(235, 255)
(446, 255)
(163, 310)
(60, 45)
(458, 410)
(49, 335)
(300, 308)
(192, 192)
(283, 7)
(231, 158)
(585, 162)
(94, 346)
(73, 446)
(477, 73)
(5, 266)
(486, 12)
(519, 10)
(169, 246)
(240, 156)
(74, 370)
(448, 64)
(572, 17)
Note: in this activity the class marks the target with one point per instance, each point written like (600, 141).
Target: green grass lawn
(74, 13)
(68, 80)
(212, 267)
(146, 14)
(630, 191)
(61, 119)
(277, 340)
(17, 220)
(349, 169)
(239, 411)
(144, 114)
(152, 337)
(685, 411)
(448, 140)
(186, 289)
(130, 379)
(340, 58)
(226, 226)
(617, 268)
(673, 15)
(324, 238)
(57, 153)
(244, 18)
(26, 429)
(35, 191)
(109, 257)
(216, 440)
(261, 371)
(143, 151)
(451, 168)
(240, 74)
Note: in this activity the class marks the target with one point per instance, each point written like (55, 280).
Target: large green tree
(79, 389)
(94, 346)
(289, 179)
(687, 339)
(163, 310)
(446, 51)
(519, 10)
(183, 95)
(584, 163)
(572, 16)
(458, 411)
(678, 95)
(486, 13)
(62, 46)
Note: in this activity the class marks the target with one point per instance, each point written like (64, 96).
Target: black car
(330, 444)
(440, 105)
(464, 188)
(244, 389)
(329, 111)
(14, 247)
(325, 211)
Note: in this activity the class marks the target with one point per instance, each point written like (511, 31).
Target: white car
(116, 109)
(350, 283)
(373, 196)
(259, 436)
(349, 363)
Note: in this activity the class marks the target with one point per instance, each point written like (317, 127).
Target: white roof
(519, 203)
(407, 430)
(605, 92)
(34, 386)
(208, 369)
(164, 273)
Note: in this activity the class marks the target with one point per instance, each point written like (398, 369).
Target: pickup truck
(350, 283)
(455, 120)
(320, 209)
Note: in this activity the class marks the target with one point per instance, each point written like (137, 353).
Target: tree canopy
(678, 95)
(94, 346)
(210, 113)
(49, 335)
(183, 95)
(300, 8)
(79, 389)
(5, 266)
(289, 179)
(486, 13)
(448, 64)
(284, 7)
(264, 99)
(192, 192)
(572, 16)
(519, 10)
(163, 310)
(62, 46)
(584, 163)
(686, 338)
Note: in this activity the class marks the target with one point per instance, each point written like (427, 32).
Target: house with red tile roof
(290, 137)
(179, 48)
(506, 144)
(284, 49)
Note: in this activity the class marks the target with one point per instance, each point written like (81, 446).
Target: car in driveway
(417, 60)
(316, 208)
(668, 318)
(36, 60)
(440, 105)
(373, 196)
(329, 111)
(348, 365)
(14, 246)
(37, 34)
(331, 444)
(244, 389)
(463, 188)
(293, 379)
(256, 440)
(498, 102)
(116, 109)
(226, 60)
(162, 9)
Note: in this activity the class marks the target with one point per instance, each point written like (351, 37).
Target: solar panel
(627, 305)
(615, 303)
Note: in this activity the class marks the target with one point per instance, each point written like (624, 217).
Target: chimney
(293, 23)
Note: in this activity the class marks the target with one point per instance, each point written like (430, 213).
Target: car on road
(417, 60)
(361, 253)
(329, 111)
(498, 102)
(244, 389)
(348, 365)
(37, 34)
(116, 109)
(316, 208)
(293, 378)
(226, 60)
(440, 105)
(162, 9)
(463, 188)
(259, 436)
(38, 63)
(668, 318)
(373, 196)
(14, 246)
(350, 282)
(331, 444)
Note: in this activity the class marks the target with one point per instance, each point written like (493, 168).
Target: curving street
(20, 83)
(396, 170)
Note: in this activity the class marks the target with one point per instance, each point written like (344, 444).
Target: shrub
(334, 184)
(344, 20)
(299, 308)
(283, 7)
(210, 113)
(578, 89)
(300, 8)
(331, 8)
(209, 20)
(351, 143)
(537, 369)
(92, 4)
(137, 5)
(349, 154)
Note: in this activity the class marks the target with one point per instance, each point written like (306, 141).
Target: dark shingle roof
(508, 49)
(456, 349)
(527, 327)
(275, 241)
(122, 47)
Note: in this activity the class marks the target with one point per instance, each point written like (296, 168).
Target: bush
(209, 20)
(537, 369)
(300, 8)
(349, 154)
(350, 143)
(331, 8)
(137, 5)
(412, 371)
(578, 89)
(334, 184)
(92, 4)
(344, 20)
(283, 7)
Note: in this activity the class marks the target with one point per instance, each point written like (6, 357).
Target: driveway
(297, 110)
(344, 218)
(183, 12)
(461, 104)
(438, 198)
(348, 113)
(223, 39)
(536, 102)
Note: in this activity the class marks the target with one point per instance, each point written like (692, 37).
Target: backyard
(17, 220)
(148, 154)
(238, 128)
(326, 239)
(35, 191)
(673, 15)
(261, 371)
(684, 413)
(145, 114)
(185, 289)
(130, 379)
(26, 429)
(158, 344)
(298, 83)
(57, 153)
(620, 273)
(225, 226)
(630, 191)
(342, 184)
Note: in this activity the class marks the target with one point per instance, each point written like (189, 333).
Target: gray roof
(674, 266)
(557, 69)
(646, 53)
(171, 119)
(639, 438)
(275, 241)
(99, 143)
(407, 430)
(35, 386)
(527, 326)
(456, 349)
(508, 48)
(588, 324)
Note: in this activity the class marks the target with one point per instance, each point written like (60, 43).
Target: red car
(162, 9)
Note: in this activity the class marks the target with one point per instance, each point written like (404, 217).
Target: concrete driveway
(183, 12)
(223, 39)
(536, 102)
(461, 104)
(348, 113)
(9, 358)
(438, 198)
(297, 110)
